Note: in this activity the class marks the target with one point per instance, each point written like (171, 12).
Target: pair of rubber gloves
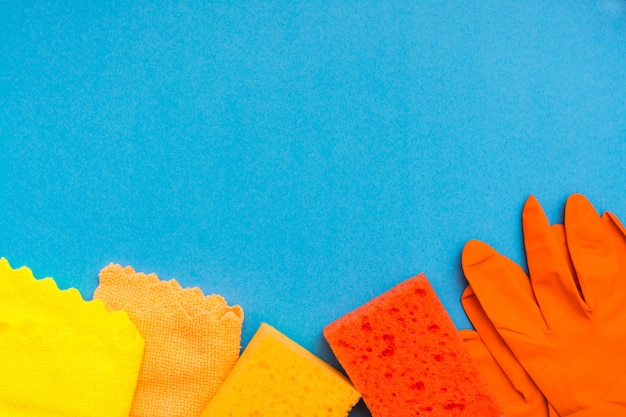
(553, 342)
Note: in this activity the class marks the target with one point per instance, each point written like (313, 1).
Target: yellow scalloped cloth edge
(62, 355)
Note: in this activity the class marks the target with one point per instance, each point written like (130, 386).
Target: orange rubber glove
(513, 387)
(515, 391)
(566, 324)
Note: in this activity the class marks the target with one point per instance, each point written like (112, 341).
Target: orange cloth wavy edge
(192, 340)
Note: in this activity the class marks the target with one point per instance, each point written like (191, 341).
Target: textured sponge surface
(403, 353)
(277, 377)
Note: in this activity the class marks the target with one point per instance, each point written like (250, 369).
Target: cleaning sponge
(403, 353)
(277, 377)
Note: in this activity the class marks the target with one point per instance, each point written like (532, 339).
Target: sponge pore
(404, 355)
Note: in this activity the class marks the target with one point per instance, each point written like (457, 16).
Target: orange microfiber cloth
(275, 377)
(192, 341)
(403, 353)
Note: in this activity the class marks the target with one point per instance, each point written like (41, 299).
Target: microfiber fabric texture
(192, 340)
(277, 377)
(403, 353)
(62, 355)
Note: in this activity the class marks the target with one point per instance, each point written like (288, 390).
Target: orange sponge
(277, 377)
(404, 355)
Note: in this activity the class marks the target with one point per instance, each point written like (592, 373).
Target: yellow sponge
(61, 355)
(276, 377)
(192, 340)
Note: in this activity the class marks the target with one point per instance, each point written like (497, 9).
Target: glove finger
(615, 232)
(561, 240)
(512, 401)
(501, 287)
(616, 223)
(595, 260)
(525, 393)
(553, 285)
(496, 378)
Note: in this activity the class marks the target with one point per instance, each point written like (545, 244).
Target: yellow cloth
(61, 356)
(192, 340)
(276, 377)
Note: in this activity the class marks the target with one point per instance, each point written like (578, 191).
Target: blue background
(301, 158)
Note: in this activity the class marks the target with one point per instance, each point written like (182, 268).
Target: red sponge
(404, 355)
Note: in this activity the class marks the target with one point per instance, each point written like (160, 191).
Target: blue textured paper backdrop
(301, 158)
